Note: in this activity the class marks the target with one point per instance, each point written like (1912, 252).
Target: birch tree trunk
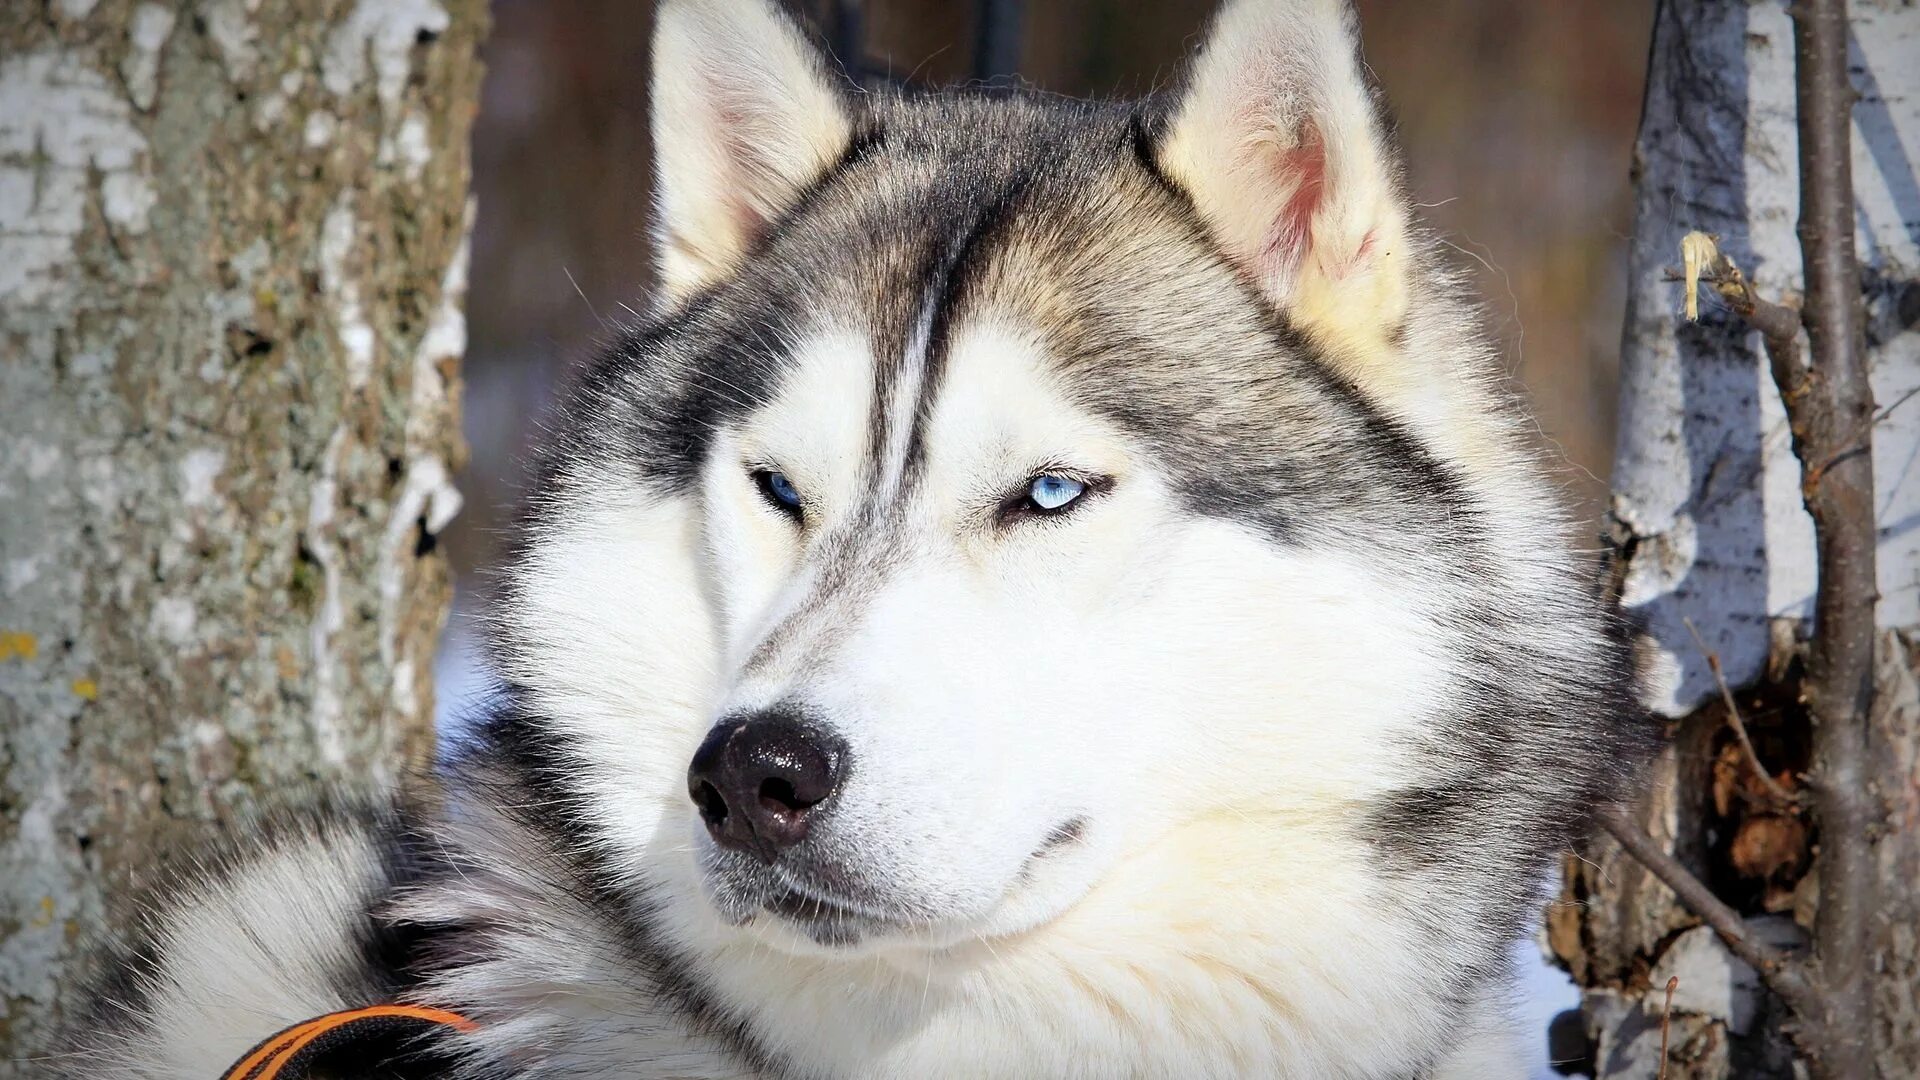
(232, 257)
(1715, 557)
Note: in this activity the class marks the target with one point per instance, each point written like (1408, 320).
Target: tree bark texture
(1711, 536)
(232, 258)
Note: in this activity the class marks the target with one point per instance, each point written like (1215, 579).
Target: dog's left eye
(779, 491)
(1050, 493)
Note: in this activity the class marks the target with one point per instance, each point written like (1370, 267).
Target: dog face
(976, 643)
(1003, 485)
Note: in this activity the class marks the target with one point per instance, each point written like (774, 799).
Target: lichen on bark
(232, 258)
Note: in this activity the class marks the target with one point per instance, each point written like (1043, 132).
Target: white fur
(1216, 714)
(1123, 666)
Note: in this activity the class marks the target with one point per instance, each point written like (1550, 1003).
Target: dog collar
(347, 1043)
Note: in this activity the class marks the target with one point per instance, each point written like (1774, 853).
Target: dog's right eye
(778, 491)
(1050, 493)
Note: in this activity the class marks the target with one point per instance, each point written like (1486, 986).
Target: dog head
(1002, 485)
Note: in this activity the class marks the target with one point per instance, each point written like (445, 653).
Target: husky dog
(1056, 589)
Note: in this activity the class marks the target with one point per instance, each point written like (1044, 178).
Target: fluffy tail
(267, 938)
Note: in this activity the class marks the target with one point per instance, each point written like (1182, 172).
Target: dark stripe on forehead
(924, 304)
(897, 320)
(926, 301)
(964, 258)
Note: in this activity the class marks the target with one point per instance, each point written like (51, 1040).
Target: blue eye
(779, 491)
(1050, 493)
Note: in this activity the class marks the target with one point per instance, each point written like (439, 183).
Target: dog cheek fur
(610, 632)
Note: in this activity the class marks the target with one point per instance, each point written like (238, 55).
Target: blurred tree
(232, 259)
(1792, 790)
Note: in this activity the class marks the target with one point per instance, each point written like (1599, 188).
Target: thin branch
(1837, 486)
(1666, 1024)
(1734, 721)
(1787, 978)
(1860, 438)
(1830, 411)
(1881, 416)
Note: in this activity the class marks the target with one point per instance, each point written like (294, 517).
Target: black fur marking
(1143, 140)
(119, 997)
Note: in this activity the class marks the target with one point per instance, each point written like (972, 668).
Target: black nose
(758, 779)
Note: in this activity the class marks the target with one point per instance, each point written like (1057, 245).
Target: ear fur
(1277, 140)
(745, 115)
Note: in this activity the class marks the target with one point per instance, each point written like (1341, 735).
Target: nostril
(713, 806)
(777, 794)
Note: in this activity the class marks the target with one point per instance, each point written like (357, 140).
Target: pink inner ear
(736, 124)
(742, 120)
(1302, 168)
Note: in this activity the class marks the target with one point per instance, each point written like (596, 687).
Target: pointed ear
(1278, 141)
(745, 114)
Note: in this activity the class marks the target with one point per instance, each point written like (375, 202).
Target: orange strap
(266, 1061)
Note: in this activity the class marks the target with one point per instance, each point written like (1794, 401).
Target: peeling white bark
(342, 284)
(331, 614)
(1705, 476)
(1706, 492)
(60, 120)
(148, 33)
(383, 32)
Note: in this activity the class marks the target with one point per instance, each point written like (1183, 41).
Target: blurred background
(1517, 119)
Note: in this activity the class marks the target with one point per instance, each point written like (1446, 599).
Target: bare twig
(1860, 438)
(1666, 1023)
(1881, 416)
(1765, 959)
(1837, 486)
(1734, 721)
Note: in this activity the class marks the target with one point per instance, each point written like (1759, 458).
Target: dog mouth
(826, 921)
(745, 894)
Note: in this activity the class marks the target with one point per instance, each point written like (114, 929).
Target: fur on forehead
(1049, 217)
(1243, 234)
